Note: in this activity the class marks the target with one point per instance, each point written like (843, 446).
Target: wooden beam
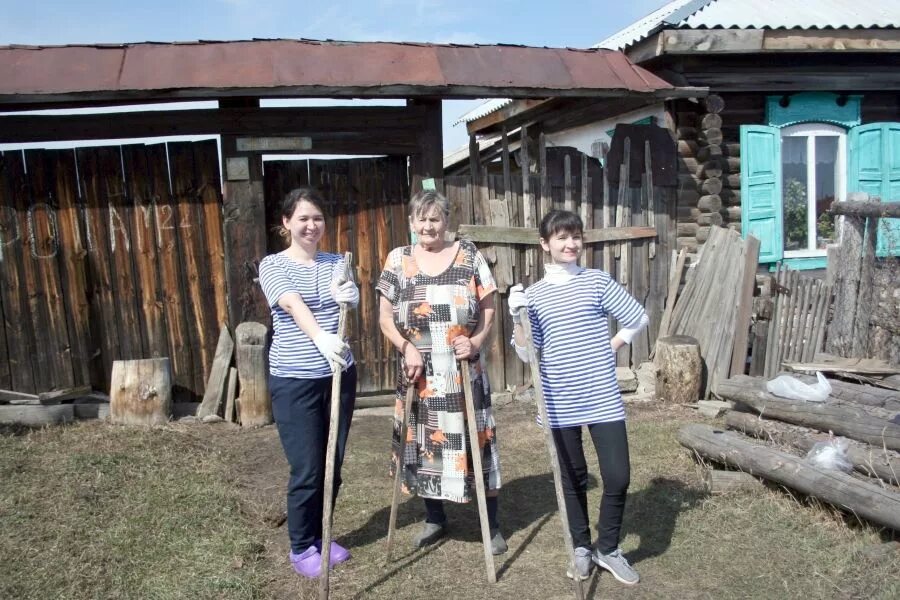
(748, 41)
(704, 41)
(868, 210)
(516, 109)
(391, 127)
(529, 235)
(428, 160)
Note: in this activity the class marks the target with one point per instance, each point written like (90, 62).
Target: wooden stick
(534, 363)
(395, 499)
(475, 448)
(331, 451)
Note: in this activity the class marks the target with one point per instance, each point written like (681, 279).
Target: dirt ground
(679, 551)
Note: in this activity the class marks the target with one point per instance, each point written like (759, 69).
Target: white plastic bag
(790, 387)
(831, 454)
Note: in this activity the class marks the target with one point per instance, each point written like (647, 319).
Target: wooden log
(710, 203)
(733, 214)
(678, 369)
(140, 392)
(688, 214)
(714, 167)
(703, 234)
(732, 181)
(844, 271)
(709, 218)
(720, 482)
(687, 229)
(868, 460)
(826, 416)
(688, 182)
(686, 133)
(231, 394)
(688, 148)
(707, 152)
(867, 210)
(710, 137)
(58, 396)
(254, 406)
(37, 416)
(711, 121)
(713, 185)
(714, 103)
(687, 243)
(687, 197)
(216, 385)
(866, 500)
(689, 165)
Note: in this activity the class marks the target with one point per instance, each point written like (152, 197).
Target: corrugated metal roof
(797, 14)
(490, 106)
(760, 14)
(312, 68)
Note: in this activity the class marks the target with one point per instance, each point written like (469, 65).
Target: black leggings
(611, 443)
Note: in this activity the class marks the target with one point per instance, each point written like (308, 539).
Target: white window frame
(811, 131)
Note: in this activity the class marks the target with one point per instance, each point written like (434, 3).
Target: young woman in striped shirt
(303, 287)
(568, 310)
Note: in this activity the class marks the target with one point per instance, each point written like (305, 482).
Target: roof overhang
(44, 75)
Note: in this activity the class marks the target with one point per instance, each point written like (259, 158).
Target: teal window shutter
(761, 189)
(875, 169)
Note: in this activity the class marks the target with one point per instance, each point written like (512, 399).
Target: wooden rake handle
(398, 474)
(331, 451)
(534, 363)
(475, 447)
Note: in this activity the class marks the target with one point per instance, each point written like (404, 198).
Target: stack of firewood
(771, 436)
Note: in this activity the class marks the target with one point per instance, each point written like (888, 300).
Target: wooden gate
(365, 205)
(109, 253)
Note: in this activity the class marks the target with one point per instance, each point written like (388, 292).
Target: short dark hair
(298, 195)
(560, 220)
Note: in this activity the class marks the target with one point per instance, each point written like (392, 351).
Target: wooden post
(865, 301)
(478, 470)
(218, 376)
(678, 369)
(331, 448)
(254, 406)
(398, 473)
(428, 163)
(534, 364)
(140, 392)
(846, 275)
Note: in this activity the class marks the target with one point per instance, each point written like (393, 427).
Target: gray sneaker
(429, 534)
(616, 563)
(583, 563)
(498, 544)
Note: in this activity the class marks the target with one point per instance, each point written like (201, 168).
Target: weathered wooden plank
(745, 306)
(104, 319)
(368, 268)
(198, 293)
(216, 385)
(529, 236)
(144, 252)
(47, 309)
(73, 271)
(206, 163)
(19, 339)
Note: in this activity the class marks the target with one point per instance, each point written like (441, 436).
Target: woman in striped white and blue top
(568, 310)
(303, 288)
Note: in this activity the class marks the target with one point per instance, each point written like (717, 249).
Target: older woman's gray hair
(424, 201)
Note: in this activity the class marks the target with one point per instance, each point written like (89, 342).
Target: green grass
(93, 511)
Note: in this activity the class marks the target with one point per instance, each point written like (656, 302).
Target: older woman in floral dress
(437, 304)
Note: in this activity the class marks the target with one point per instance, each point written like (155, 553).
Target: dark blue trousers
(302, 411)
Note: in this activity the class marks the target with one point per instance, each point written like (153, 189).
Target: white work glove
(517, 301)
(345, 293)
(331, 347)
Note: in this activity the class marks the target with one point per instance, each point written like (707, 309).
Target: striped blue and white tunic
(569, 327)
(293, 353)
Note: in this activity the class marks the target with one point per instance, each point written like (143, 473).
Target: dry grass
(93, 511)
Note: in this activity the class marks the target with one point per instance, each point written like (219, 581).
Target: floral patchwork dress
(430, 311)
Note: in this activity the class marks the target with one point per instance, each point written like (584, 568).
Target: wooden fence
(506, 199)
(109, 253)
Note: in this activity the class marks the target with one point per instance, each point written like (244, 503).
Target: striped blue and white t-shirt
(293, 353)
(578, 367)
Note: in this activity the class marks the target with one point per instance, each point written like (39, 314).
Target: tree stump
(678, 369)
(140, 392)
(254, 407)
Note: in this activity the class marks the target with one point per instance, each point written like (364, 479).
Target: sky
(556, 23)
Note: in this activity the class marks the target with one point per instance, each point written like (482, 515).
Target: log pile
(708, 176)
(771, 436)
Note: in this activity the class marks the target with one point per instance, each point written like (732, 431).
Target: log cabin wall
(110, 253)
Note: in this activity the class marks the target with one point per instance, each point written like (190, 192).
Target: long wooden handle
(395, 498)
(534, 363)
(331, 450)
(475, 448)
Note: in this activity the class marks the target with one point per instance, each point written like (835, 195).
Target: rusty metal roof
(279, 68)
